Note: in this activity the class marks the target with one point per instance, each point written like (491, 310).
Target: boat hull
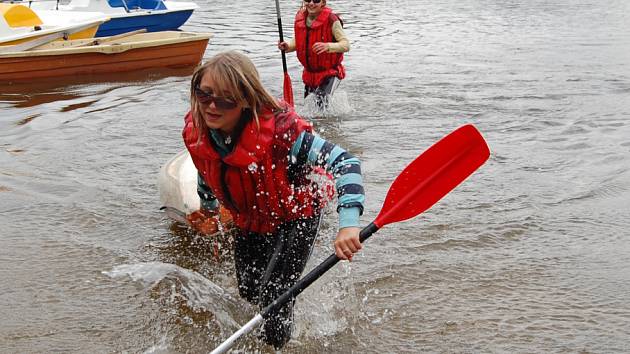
(153, 22)
(131, 55)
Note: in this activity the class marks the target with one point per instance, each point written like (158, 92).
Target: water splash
(337, 106)
(160, 348)
(199, 293)
(329, 306)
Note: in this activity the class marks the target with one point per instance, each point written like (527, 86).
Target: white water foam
(328, 306)
(338, 105)
(199, 292)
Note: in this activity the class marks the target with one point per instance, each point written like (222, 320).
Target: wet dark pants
(323, 91)
(267, 265)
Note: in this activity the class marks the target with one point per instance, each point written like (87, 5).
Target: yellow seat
(19, 15)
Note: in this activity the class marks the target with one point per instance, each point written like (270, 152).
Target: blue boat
(129, 15)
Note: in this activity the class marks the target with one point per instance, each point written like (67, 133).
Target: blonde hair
(235, 74)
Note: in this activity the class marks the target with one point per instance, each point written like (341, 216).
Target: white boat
(128, 15)
(20, 24)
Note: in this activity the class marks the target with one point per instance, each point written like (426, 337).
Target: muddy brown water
(529, 255)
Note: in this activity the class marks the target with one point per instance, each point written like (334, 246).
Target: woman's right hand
(347, 243)
(283, 46)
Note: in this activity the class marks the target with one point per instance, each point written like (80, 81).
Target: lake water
(530, 254)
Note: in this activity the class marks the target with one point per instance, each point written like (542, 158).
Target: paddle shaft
(284, 57)
(314, 274)
(101, 40)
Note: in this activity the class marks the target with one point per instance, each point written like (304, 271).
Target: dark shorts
(324, 90)
(267, 265)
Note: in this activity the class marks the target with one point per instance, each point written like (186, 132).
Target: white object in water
(177, 184)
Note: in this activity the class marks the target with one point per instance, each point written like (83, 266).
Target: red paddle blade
(433, 174)
(288, 90)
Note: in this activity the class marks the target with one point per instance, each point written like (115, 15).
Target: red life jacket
(317, 67)
(253, 181)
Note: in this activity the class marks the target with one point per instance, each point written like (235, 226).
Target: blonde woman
(257, 158)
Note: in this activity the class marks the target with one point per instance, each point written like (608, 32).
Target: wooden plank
(35, 42)
(102, 40)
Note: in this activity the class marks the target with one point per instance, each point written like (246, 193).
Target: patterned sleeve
(207, 198)
(344, 167)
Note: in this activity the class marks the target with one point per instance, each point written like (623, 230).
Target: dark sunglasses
(313, 1)
(219, 102)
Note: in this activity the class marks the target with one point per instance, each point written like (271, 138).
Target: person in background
(262, 162)
(320, 43)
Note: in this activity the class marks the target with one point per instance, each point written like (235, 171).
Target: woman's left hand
(320, 47)
(347, 243)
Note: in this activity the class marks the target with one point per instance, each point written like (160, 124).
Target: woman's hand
(347, 243)
(320, 47)
(203, 221)
(283, 46)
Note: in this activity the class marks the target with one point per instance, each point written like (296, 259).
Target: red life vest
(253, 182)
(317, 67)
